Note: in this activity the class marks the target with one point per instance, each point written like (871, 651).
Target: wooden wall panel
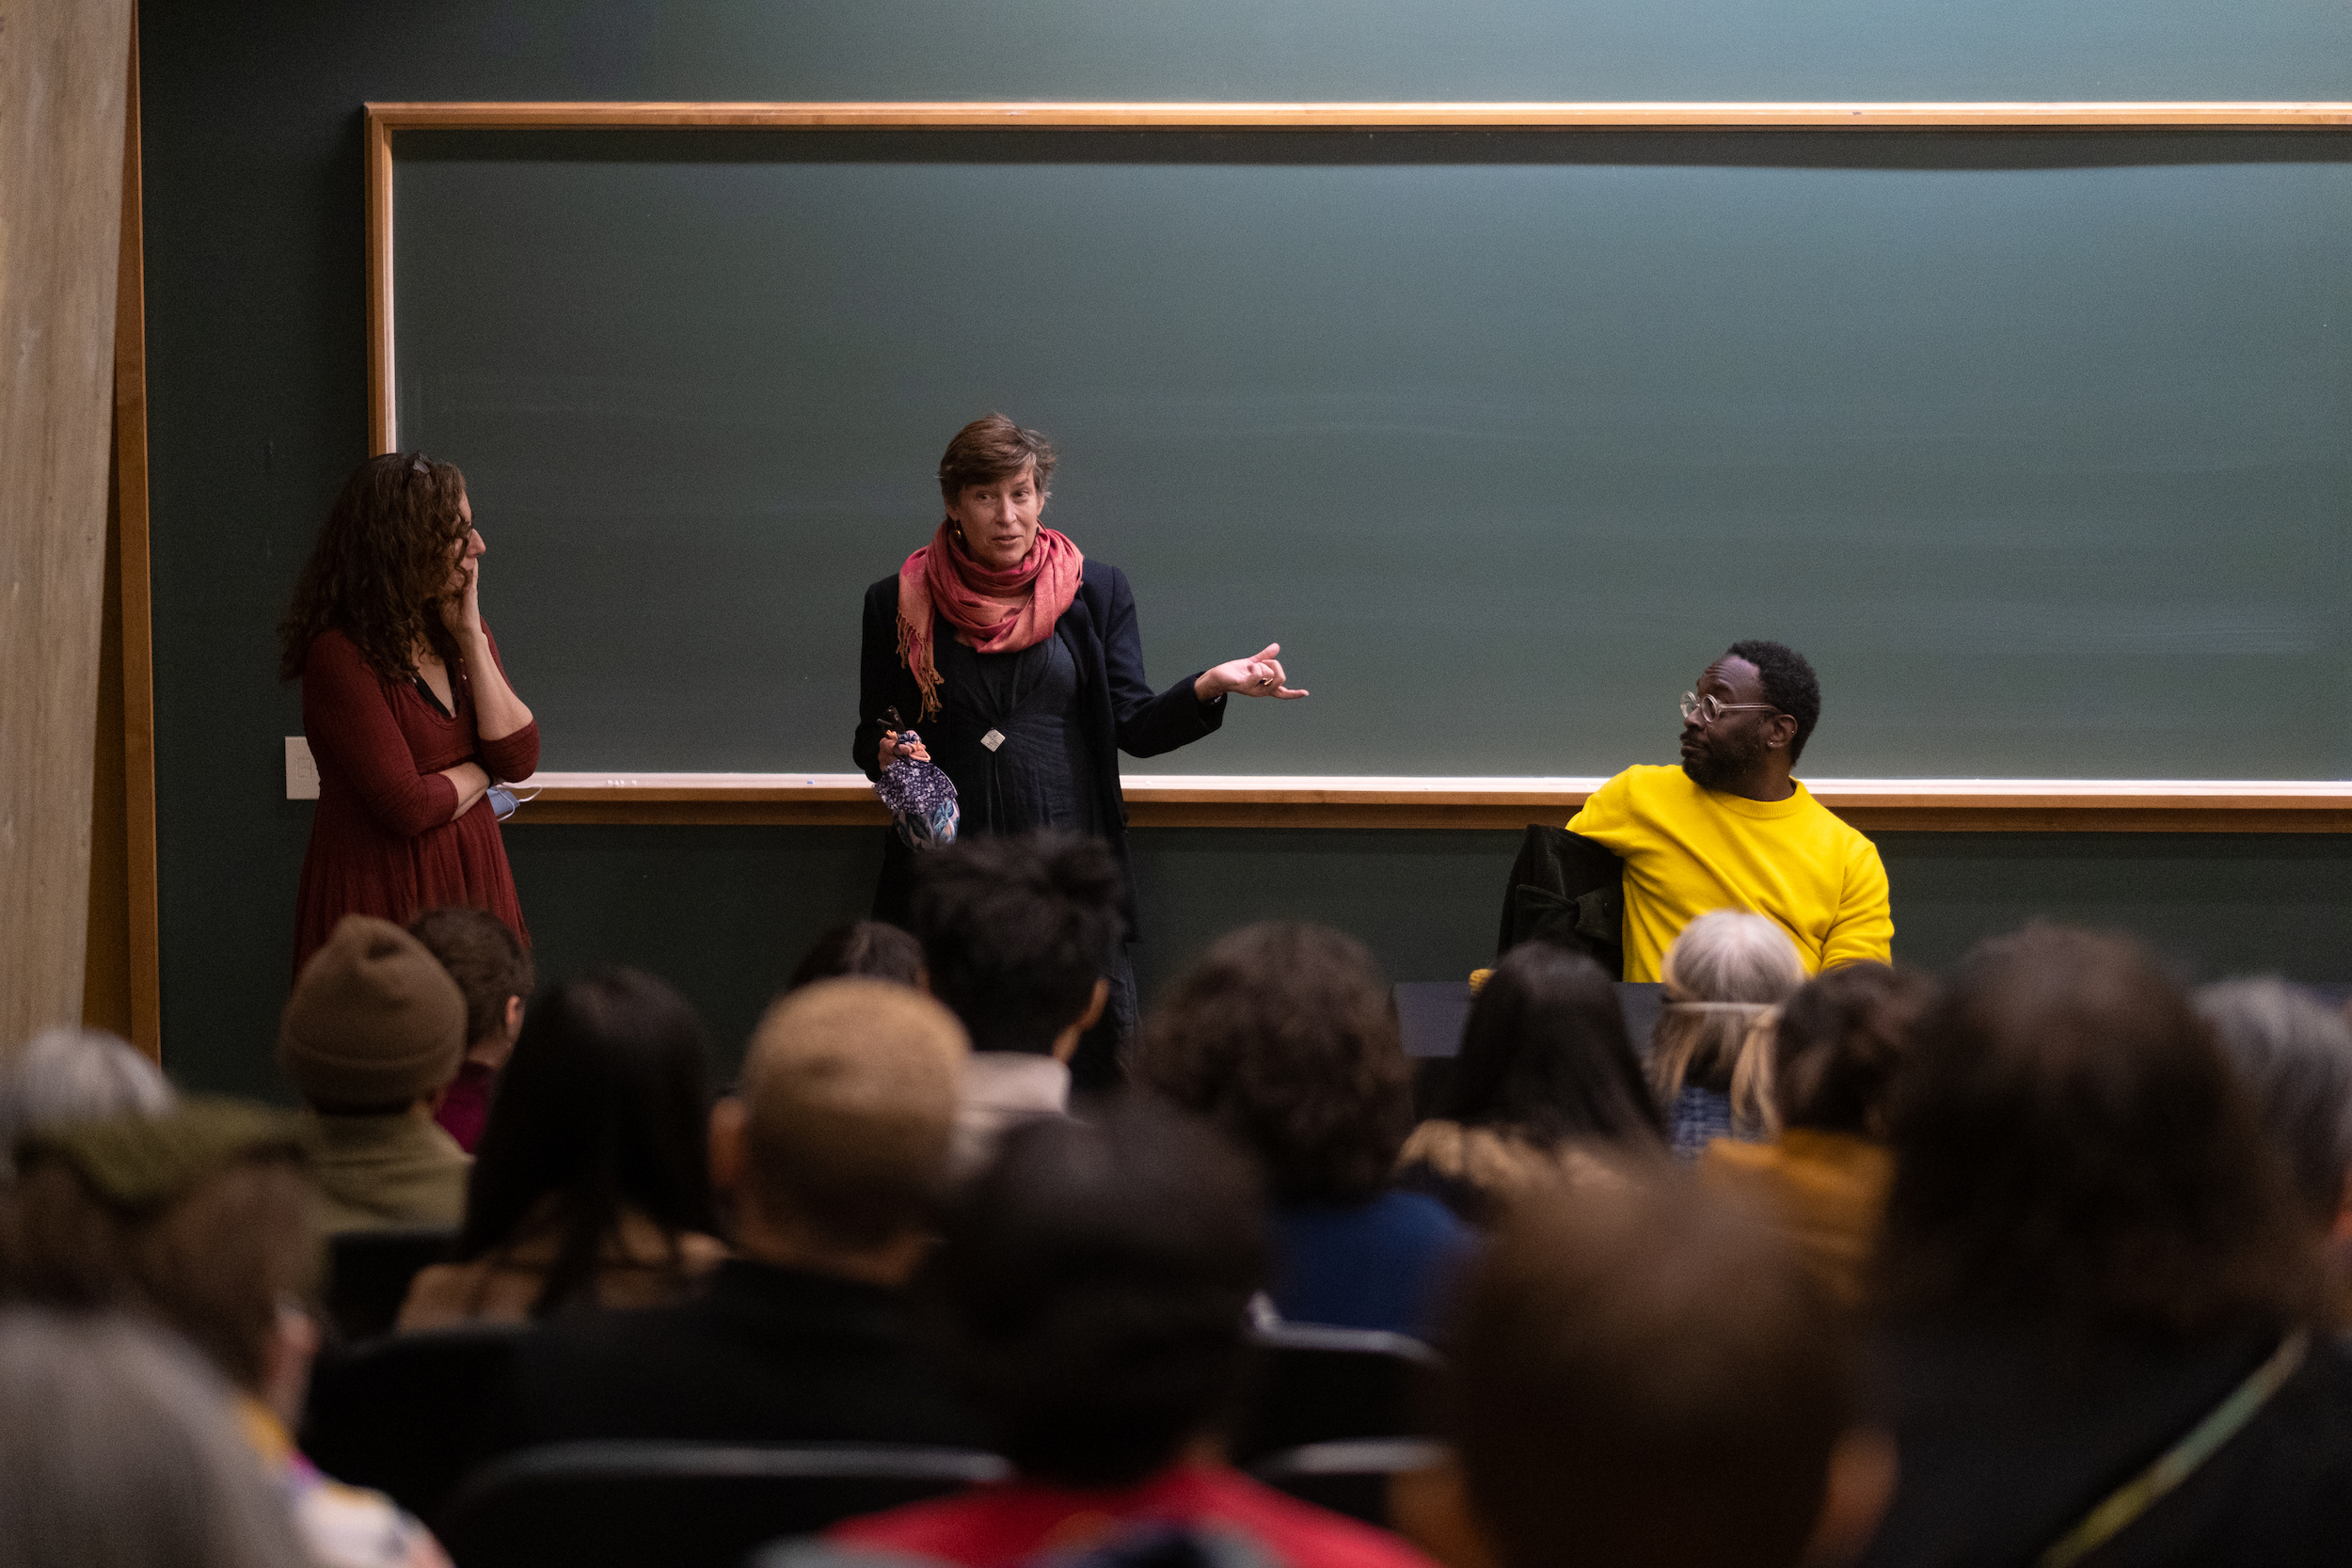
(61, 134)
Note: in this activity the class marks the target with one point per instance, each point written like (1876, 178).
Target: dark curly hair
(1016, 931)
(2073, 1150)
(380, 566)
(1840, 1040)
(1285, 1036)
(993, 447)
(1790, 685)
(1091, 1290)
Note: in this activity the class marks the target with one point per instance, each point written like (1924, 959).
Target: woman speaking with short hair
(1001, 653)
(406, 706)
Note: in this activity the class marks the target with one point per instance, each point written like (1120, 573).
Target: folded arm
(348, 719)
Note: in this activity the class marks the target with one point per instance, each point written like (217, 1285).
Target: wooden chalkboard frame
(1957, 805)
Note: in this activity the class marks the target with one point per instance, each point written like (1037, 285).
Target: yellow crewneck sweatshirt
(1687, 850)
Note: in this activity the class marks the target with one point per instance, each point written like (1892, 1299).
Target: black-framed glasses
(1706, 710)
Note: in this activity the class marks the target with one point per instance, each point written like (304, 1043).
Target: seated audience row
(1089, 1302)
(1832, 1052)
(68, 1075)
(2076, 1221)
(829, 1157)
(1547, 1078)
(592, 1182)
(120, 1448)
(496, 977)
(2295, 1057)
(1285, 1037)
(373, 1030)
(199, 1220)
(1723, 977)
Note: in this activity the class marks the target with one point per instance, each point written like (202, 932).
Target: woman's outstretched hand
(1259, 676)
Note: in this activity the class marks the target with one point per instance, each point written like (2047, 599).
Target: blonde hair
(1726, 976)
(850, 1094)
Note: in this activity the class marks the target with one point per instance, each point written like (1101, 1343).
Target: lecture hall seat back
(399, 1413)
(684, 1505)
(1350, 1478)
(369, 1272)
(1312, 1385)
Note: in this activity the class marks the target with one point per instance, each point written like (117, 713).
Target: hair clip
(417, 465)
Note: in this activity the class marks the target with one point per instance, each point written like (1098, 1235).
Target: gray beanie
(374, 1020)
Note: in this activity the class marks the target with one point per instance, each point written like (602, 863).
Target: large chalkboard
(2038, 443)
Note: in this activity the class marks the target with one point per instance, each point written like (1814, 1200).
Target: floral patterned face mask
(921, 797)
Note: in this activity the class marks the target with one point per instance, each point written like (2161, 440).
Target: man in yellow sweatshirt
(1729, 828)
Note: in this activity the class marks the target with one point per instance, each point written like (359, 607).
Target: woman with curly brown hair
(1286, 1036)
(406, 706)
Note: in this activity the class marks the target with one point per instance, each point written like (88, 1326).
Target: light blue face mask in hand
(504, 802)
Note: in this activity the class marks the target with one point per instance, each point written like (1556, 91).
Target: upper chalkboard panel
(2040, 444)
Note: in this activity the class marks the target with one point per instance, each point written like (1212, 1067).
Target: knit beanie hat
(374, 1020)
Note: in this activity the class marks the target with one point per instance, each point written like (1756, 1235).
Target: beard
(1721, 761)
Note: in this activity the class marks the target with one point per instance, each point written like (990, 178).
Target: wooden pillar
(120, 989)
(61, 134)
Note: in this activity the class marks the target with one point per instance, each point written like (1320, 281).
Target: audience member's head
(1093, 1289)
(1015, 935)
(2293, 1054)
(374, 1025)
(868, 947)
(1838, 1045)
(602, 1113)
(1641, 1376)
(64, 1075)
(1723, 974)
(1285, 1036)
(836, 1146)
(198, 1218)
(2073, 1153)
(1545, 1056)
(493, 970)
(118, 1451)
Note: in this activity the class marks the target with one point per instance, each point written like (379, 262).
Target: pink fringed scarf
(993, 612)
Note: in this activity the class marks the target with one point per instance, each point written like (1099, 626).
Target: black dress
(1013, 745)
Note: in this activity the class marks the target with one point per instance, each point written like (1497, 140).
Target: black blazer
(1117, 711)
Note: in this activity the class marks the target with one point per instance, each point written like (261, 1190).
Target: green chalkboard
(2040, 444)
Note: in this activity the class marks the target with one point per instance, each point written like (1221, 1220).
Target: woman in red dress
(406, 706)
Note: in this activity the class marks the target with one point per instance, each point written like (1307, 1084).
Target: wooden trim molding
(138, 603)
(1361, 117)
(383, 418)
(1180, 801)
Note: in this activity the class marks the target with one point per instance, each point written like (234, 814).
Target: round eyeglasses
(1706, 710)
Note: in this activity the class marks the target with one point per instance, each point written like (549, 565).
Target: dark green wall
(256, 375)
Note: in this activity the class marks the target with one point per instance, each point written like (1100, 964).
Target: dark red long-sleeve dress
(382, 842)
